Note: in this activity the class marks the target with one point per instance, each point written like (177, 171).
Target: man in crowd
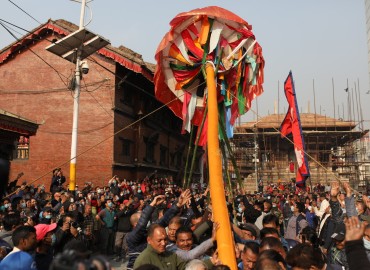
(123, 228)
(249, 256)
(24, 238)
(179, 211)
(107, 217)
(136, 239)
(297, 222)
(156, 254)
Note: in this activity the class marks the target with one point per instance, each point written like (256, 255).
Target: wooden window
(150, 143)
(126, 147)
(128, 94)
(163, 156)
(22, 150)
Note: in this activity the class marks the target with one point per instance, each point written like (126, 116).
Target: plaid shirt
(89, 223)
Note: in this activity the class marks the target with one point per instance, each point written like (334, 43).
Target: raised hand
(354, 229)
(158, 200)
(184, 198)
(334, 189)
(347, 189)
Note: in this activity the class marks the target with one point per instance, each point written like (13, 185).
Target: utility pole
(76, 105)
(256, 155)
(75, 48)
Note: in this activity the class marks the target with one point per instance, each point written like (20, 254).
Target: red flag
(292, 124)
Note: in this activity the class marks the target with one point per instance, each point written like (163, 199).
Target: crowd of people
(156, 224)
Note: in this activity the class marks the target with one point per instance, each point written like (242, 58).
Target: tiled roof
(123, 55)
(308, 121)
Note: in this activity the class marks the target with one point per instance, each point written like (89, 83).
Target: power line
(24, 11)
(59, 74)
(48, 91)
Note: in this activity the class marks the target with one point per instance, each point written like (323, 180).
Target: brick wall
(53, 111)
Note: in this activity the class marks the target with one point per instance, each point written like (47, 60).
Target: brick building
(123, 130)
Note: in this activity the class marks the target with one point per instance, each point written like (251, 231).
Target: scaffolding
(335, 150)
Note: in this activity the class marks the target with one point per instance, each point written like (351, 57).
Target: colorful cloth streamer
(208, 34)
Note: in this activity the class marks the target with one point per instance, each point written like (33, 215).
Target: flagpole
(348, 103)
(359, 98)
(353, 106)
(332, 82)
(314, 100)
(357, 107)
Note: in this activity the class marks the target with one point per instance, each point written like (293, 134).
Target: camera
(84, 67)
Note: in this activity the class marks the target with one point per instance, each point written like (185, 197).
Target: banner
(292, 125)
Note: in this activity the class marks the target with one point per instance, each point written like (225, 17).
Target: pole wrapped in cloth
(292, 125)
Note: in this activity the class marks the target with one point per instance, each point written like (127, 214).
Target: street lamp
(74, 48)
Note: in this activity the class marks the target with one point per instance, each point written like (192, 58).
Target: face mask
(23, 205)
(139, 191)
(53, 239)
(292, 208)
(6, 205)
(110, 204)
(98, 190)
(240, 210)
(366, 243)
(48, 216)
(121, 194)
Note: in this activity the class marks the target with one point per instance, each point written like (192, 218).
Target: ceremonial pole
(225, 244)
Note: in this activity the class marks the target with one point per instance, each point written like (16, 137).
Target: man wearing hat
(337, 254)
(45, 240)
(245, 232)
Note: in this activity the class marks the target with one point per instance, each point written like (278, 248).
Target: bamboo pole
(224, 237)
(200, 129)
(231, 154)
(185, 184)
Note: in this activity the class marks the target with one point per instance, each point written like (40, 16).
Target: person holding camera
(57, 181)
(124, 213)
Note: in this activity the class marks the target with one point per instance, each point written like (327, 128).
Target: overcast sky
(319, 41)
